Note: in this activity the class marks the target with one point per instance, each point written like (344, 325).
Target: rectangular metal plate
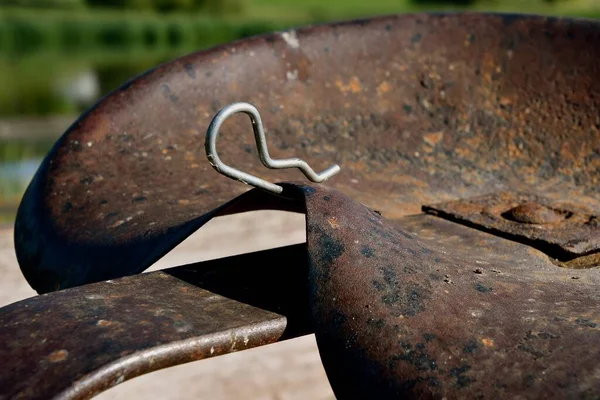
(561, 231)
(75, 343)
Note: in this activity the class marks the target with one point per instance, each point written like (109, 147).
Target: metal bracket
(558, 230)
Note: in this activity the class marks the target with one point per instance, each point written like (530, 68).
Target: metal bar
(76, 343)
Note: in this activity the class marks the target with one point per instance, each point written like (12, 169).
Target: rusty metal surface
(421, 307)
(417, 109)
(75, 343)
(560, 230)
(415, 307)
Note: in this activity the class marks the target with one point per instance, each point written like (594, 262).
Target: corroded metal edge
(171, 354)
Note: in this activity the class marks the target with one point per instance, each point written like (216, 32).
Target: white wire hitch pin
(210, 146)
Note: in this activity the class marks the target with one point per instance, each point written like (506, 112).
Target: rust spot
(351, 87)
(432, 139)
(355, 85)
(333, 222)
(189, 156)
(505, 101)
(487, 342)
(104, 323)
(383, 88)
(58, 356)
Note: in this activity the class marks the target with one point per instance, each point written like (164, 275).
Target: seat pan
(416, 109)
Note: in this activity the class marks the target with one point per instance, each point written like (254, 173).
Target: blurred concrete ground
(283, 371)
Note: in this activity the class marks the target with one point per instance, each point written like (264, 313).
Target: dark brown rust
(399, 310)
(417, 109)
(76, 343)
(563, 231)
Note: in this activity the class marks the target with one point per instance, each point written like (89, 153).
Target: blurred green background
(57, 57)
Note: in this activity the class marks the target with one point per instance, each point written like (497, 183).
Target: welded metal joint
(210, 145)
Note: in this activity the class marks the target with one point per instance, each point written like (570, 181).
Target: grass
(24, 31)
(115, 44)
(344, 9)
(17, 150)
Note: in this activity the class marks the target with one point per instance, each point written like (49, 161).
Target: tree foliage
(45, 3)
(212, 6)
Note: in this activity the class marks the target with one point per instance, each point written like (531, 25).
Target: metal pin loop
(210, 146)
